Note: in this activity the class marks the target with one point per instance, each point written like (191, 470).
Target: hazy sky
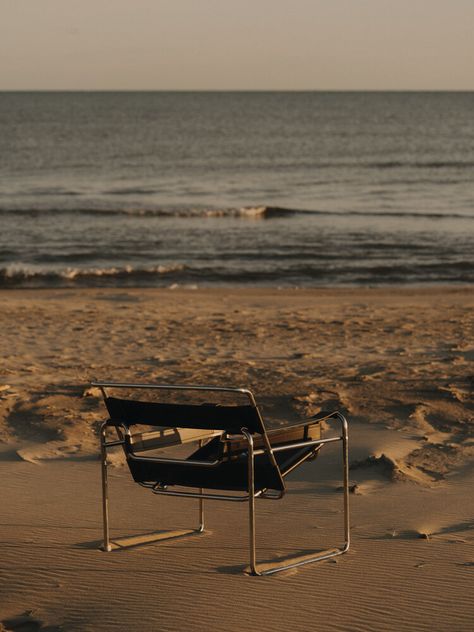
(237, 44)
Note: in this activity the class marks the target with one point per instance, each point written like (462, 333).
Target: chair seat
(164, 437)
(232, 471)
(288, 459)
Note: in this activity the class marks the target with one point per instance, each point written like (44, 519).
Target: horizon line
(235, 90)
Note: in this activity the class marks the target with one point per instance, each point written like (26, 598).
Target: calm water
(160, 188)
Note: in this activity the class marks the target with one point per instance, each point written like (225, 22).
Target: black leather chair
(236, 459)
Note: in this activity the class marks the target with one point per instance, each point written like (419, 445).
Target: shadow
(456, 528)
(89, 545)
(26, 623)
(237, 569)
(27, 423)
(303, 556)
(133, 541)
(408, 534)
(11, 455)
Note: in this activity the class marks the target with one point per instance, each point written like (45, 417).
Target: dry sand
(398, 362)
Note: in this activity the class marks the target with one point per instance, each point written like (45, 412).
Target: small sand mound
(384, 465)
(92, 391)
(392, 470)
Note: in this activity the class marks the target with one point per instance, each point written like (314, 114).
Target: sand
(398, 362)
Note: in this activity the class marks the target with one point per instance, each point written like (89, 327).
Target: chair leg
(251, 494)
(251, 491)
(105, 488)
(200, 529)
(107, 545)
(345, 473)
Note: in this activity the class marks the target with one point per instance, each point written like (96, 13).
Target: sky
(236, 44)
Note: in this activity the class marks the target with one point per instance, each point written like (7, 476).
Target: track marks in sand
(394, 360)
(438, 461)
(57, 423)
(392, 470)
(455, 533)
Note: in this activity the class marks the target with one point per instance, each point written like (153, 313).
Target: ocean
(283, 189)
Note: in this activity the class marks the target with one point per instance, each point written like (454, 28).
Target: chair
(236, 460)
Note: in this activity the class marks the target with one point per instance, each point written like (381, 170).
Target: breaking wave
(246, 212)
(323, 272)
(16, 275)
(249, 212)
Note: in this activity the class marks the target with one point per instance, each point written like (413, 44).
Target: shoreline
(242, 289)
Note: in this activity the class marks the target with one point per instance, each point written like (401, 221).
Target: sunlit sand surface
(399, 363)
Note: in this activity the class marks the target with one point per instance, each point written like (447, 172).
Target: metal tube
(155, 459)
(319, 558)
(345, 457)
(166, 492)
(201, 502)
(300, 444)
(179, 387)
(268, 447)
(111, 444)
(339, 551)
(105, 496)
(251, 488)
(201, 514)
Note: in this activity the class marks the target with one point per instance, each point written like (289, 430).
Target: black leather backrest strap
(204, 416)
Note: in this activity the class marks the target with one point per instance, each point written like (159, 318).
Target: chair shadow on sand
(122, 543)
(296, 558)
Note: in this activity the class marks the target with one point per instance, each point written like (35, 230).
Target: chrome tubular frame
(104, 444)
(251, 495)
(105, 487)
(124, 434)
(172, 387)
(201, 502)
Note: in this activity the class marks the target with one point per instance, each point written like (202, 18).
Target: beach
(398, 362)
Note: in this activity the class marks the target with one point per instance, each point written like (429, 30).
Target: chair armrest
(295, 432)
(307, 430)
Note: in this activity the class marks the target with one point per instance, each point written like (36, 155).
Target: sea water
(262, 188)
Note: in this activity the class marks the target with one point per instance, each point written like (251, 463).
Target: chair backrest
(203, 416)
(230, 419)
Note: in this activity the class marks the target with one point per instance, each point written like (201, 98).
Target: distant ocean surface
(278, 189)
